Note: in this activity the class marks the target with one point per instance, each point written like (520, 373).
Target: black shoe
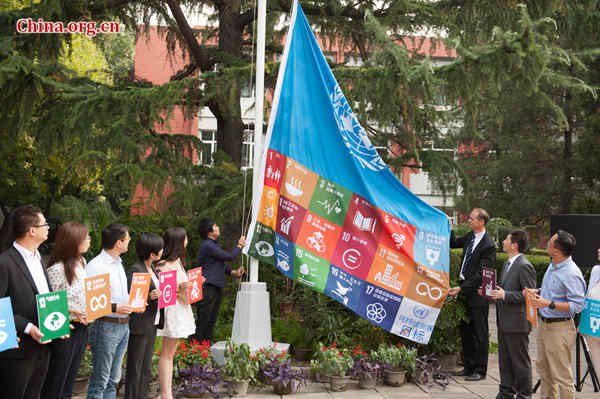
(462, 373)
(475, 377)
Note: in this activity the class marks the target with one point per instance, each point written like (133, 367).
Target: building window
(353, 60)
(248, 147)
(209, 146)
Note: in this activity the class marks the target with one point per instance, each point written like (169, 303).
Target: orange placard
(140, 285)
(531, 311)
(97, 296)
(195, 280)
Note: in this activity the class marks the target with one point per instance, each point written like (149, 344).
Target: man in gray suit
(511, 317)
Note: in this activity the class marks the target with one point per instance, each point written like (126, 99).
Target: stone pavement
(457, 389)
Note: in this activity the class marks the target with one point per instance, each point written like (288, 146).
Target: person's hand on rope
(242, 242)
(238, 272)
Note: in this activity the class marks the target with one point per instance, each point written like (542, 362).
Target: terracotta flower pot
(394, 378)
(302, 354)
(80, 385)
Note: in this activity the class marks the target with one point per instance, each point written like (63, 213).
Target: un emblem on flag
(354, 135)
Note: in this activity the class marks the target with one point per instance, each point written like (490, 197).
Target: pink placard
(168, 288)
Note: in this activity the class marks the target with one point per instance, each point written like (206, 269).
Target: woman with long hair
(67, 272)
(179, 318)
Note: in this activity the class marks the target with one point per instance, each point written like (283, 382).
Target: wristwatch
(552, 305)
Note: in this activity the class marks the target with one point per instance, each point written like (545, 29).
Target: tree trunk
(229, 121)
(566, 194)
(229, 131)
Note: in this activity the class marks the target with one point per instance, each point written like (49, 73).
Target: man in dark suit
(479, 251)
(511, 317)
(212, 258)
(22, 277)
(143, 326)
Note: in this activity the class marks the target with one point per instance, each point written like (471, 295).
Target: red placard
(195, 280)
(168, 288)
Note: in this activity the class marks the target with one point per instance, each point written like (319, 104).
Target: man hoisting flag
(332, 215)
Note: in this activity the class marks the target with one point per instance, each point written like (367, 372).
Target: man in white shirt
(22, 277)
(109, 335)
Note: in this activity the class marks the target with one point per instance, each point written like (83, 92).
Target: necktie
(468, 254)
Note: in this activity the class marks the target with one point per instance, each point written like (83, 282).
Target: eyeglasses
(43, 225)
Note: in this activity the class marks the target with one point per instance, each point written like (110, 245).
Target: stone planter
(394, 378)
(367, 380)
(237, 388)
(339, 384)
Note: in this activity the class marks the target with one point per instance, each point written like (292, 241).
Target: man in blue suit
(212, 258)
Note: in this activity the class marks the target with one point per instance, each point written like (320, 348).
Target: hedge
(539, 262)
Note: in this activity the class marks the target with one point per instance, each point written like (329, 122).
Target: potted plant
(366, 370)
(264, 357)
(397, 362)
(429, 371)
(286, 302)
(239, 368)
(283, 376)
(336, 364)
(84, 372)
(198, 380)
(199, 375)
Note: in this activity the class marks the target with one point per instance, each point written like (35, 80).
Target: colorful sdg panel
(330, 201)
(284, 255)
(298, 183)
(344, 288)
(310, 269)
(262, 244)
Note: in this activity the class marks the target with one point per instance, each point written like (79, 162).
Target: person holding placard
(22, 277)
(561, 297)
(179, 318)
(67, 272)
(109, 334)
(594, 293)
(143, 326)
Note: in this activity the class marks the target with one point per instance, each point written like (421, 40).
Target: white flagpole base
(251, 321)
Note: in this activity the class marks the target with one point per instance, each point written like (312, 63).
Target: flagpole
(252, 316)
(258, 115)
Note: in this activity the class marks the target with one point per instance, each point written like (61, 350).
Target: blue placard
(589, 323)
(8, 332)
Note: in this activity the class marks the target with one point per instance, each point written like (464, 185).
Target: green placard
(53, 314)
(330, 201)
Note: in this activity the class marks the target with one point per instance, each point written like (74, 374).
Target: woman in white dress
(179, 318)
(594, 293)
